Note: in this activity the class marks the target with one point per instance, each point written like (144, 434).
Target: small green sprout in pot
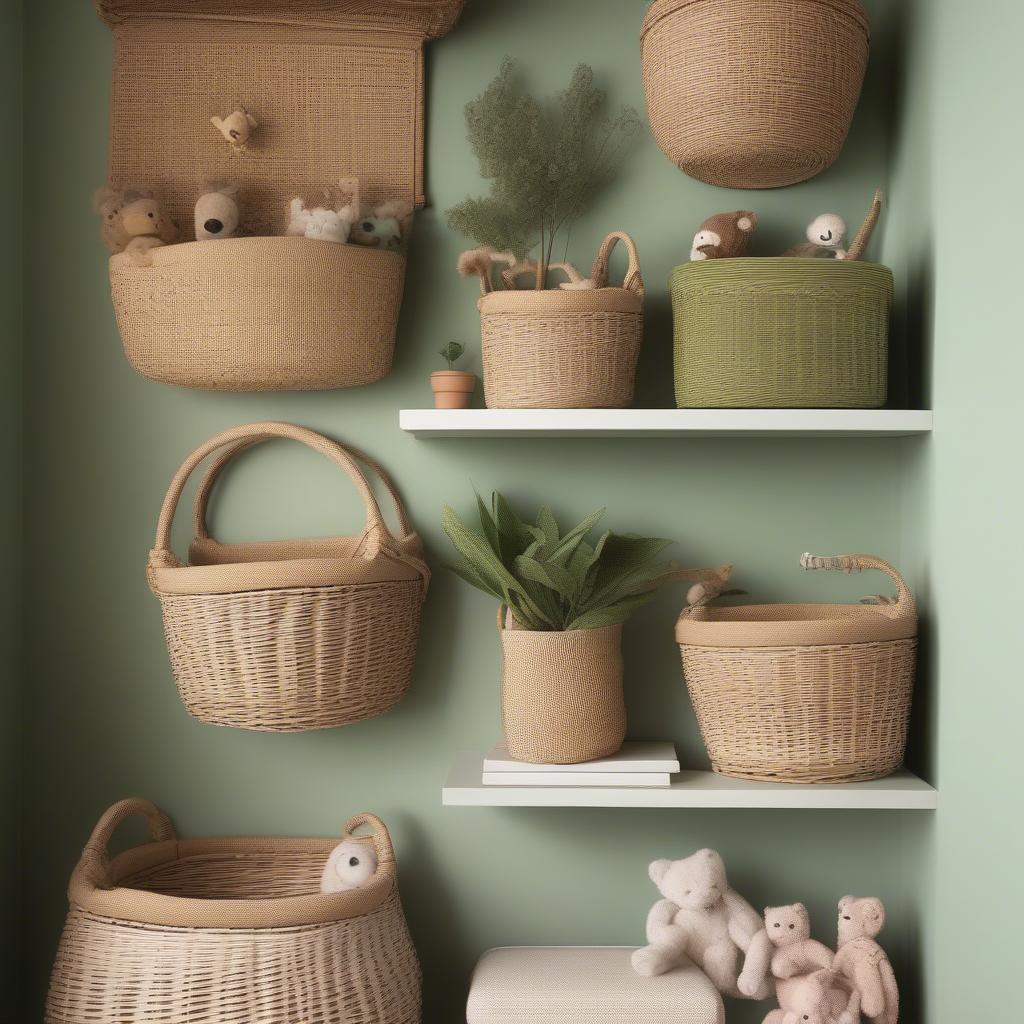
(452, 388)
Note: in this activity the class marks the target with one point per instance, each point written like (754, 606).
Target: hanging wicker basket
(189, 931)
(753, 93)
(803, 692)
(565, 349)
(288, 636)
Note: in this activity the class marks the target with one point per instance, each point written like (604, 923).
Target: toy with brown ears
(724, 236)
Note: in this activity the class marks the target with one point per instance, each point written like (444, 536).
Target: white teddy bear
(350, 866)
(319, 222)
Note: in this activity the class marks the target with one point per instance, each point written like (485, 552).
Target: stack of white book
(638, 763)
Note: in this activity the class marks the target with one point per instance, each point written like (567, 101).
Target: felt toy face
(863, 916)
(828, 231)
(216, 215)
(141, 217)
(808, 999)
(697, 882)
(787, 924)
(379, 232)
(725, 235)
(349, 866)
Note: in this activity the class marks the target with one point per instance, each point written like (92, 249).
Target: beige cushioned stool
(585, 985)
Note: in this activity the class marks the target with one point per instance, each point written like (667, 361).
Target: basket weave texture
(565, 349)
(289, 636)
(807, 692)
(781, 332)
(753, 93)
(230, 930)
(561, 693)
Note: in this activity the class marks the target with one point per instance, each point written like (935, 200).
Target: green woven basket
(781, 333)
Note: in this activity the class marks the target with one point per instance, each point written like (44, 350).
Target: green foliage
(452, 351)
(545, 162)
(553, 580)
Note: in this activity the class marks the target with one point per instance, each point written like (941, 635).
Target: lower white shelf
(902, 791)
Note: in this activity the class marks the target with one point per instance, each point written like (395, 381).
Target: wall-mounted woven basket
(287, 636)
(803, 692)
(565, 349)
(753, 93)
(337, 88)
(781, 332)
(190, 931)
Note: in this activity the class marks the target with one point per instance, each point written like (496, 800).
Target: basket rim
(557, 301)
(774, 264)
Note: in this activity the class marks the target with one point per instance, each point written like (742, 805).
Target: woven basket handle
(95, 856)
(202, 499)
(251, 433)
(904, 606)
(379, 834)
(633, 281)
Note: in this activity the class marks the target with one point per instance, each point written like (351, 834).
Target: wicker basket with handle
(286, 636)
(803, 692)
(188, 931)
(753, 93)
(565, 349)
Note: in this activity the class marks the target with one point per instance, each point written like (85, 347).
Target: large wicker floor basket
(230, 931)
(565, 349)
(753, 93)
(804, 692)
(287, 636)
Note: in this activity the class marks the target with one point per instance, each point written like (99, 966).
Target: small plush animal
(862, 961)
(216, 214)
(813, 999)
(702, 920)
(350, 865)
(382, 227)
(724, 236)
(133, 222)
(237, 128)
(789, 931)
(319, 222)
(825, 236)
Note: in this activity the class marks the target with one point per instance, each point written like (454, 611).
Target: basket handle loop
(95, 856)
(379, 833)
(251, 433)
(709, 584)
(904, 606)
(633, 281)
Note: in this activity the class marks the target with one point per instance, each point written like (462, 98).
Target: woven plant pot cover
(337, 88)
(803, 692)
(561, 693)
(232, 931)
(558, 349)
(753, 93)
(287, 636)
(781, 333)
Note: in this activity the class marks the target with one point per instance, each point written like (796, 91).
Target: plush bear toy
(862, 961)
(217, 213)
(703, 920)
(349, 866)
(133, 222)
(813, 999)
(724, 236)
(789, 930)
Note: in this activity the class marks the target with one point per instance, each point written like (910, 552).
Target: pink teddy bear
(862, 961)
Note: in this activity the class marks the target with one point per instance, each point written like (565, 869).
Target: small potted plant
(563, 600)
(452, 388)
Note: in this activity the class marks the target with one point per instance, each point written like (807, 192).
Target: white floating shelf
(902, 791)
(665, 422)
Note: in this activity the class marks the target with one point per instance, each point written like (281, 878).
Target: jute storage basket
(337, 88)
(286, 636)
(753, 93)
(803, 692)
(781, 332)
(565, 349)
(231, 931)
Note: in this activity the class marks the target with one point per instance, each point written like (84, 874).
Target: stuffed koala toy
(701, 919)
(351, 865)
(217, 213)
(133, 222)
(862, 961)
(724, 236)
(319, 222)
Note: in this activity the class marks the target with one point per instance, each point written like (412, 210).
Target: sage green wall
(105, 720)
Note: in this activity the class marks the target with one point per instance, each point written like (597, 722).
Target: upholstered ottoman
(585, 985)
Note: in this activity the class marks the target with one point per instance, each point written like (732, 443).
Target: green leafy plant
(545, 162)
(552, 580)
(452, 351)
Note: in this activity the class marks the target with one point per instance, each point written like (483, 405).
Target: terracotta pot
(452, 388)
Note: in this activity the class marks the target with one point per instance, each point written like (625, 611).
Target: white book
(635, 756)
(561, 778)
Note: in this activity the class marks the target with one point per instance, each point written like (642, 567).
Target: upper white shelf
(665, 422)
(902, 791)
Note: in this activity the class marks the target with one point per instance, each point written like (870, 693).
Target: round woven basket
(188, 931)
(287, 636)
(753, 93)
(565, 349)
(561, 693)
(260, 314)
(781, 333)
(804, 692)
